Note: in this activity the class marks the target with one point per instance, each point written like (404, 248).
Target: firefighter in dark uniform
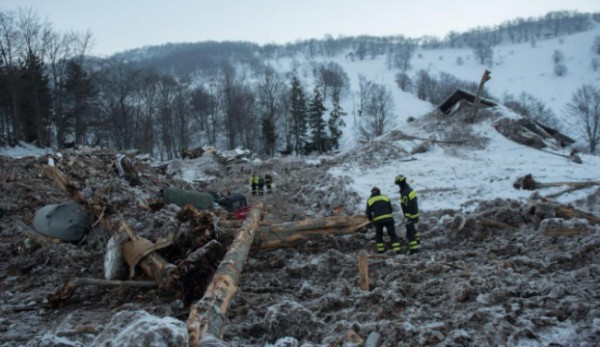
(261, 185)
(410, 209)
(268, 181)
(254, 184)
(379, 212)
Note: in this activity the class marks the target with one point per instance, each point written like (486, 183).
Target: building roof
(458, 95)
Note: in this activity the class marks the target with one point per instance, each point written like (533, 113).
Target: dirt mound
(510, 273)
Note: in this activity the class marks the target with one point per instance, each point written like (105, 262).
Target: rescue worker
(410, 209)
(254, 183)
(261, 185)
(268, 181)
(379, 212)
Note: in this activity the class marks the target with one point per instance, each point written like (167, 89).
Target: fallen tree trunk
(69, 287)
(528, 183)
(569, 212)
(291, 234)
(207, 316)
(563, 231)
(294, 234)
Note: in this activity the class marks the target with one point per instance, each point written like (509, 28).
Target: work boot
(413, 251)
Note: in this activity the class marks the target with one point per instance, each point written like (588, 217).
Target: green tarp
(180, 197)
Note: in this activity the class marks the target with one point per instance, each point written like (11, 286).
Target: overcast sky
(117, 25)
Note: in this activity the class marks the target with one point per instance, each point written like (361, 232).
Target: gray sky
(117, 25)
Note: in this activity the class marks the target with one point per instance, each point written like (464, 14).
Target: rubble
(499, 275)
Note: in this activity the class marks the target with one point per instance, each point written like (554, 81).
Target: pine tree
(335, 121)
(298, 115)
(316, 122)
(35, 102)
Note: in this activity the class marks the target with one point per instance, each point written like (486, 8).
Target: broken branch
(69, 287)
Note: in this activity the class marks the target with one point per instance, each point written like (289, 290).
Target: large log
(56, 299)
(563, 231)
(207, 316)
(293, 234)
(528, 183)
(569, 212)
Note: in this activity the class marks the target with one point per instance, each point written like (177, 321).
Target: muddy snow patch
(139, 328)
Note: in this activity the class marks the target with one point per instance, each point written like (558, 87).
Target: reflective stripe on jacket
(379, 207)
(408, 202)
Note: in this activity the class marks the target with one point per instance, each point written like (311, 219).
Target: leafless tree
(35, 37)
(119, 85)
(401, 55)
(331, 76)
(10, 39)
(270, 94)
(365, 89)
(482, 49)
(236, 101)
(585, 105)
(204, 106)
(378, 114)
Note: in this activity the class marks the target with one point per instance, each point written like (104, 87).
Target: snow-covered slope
(516, 68)
(458, 177)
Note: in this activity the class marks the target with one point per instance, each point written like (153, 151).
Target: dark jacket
(409, 203)
(379, 208)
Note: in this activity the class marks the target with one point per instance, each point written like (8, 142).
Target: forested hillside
(310, 95)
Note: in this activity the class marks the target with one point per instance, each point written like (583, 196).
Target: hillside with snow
(461, 177)
(516, 68)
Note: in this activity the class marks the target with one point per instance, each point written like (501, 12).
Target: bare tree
(378, 113)
(403, 81)
(482, 49)
(167, 92)
(59, 54)
(401, 55)
(9, 42)
(530, 107)
(236, 101)
(332, 76)
(270, 94)
(585, 105)
(204, 105)
(119, 84)
(365, 89)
